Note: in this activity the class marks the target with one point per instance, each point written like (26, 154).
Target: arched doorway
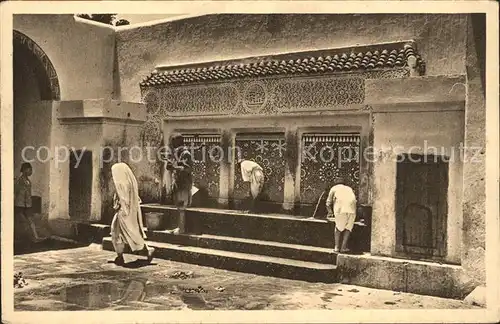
(36, 86)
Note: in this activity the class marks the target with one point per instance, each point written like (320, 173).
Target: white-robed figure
(341, 207)
(127, 226)
(252, 172)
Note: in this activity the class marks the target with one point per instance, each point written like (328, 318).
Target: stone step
(235, 244)
(242, 262)
(232, 244)
(276, 228)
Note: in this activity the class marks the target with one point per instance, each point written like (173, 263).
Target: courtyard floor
(84, 278)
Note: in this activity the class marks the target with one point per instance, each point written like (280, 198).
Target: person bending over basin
(341, 205)
(253, 173)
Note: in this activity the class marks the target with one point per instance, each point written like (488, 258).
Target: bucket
(154, 221)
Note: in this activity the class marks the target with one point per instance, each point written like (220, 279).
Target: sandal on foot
(119, 261)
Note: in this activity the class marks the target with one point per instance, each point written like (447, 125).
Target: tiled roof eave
(281, 76)
(313, 67)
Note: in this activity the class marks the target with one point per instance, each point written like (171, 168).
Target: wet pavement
(85, 278)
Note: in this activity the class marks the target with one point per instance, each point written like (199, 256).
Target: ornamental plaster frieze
(270, 96)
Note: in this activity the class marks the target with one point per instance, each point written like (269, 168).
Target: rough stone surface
(436, 280)
(474, 195)
(381, 274)
(84, 279)
(402, 275)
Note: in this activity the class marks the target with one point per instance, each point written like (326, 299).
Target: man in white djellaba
(252, 172)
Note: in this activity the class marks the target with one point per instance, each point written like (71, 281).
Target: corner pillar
(291, 165)
(226, 165)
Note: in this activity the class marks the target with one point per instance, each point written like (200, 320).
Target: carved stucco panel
(262, 96)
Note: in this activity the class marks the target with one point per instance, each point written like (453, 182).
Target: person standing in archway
(22, 199)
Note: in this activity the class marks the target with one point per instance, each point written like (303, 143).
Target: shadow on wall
(26, 247)
(23, 236)
(479, 32)
(107, 191)
(106, 182)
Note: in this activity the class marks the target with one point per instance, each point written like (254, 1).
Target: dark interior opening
(80, 185)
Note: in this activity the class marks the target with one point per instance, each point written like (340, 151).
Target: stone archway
(35, 86)
(25, 47)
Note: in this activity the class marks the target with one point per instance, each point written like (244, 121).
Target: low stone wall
(425, 278)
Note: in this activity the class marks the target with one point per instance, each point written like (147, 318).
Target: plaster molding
(420, 107)
(102, 108)
(291, 115)
(98, 120)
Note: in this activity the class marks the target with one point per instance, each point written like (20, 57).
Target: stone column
(96, 200)
(365, 165)
(59, 173)
(291, 165)
(298, 169)
(225, 169)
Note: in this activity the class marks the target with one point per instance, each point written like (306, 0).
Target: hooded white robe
(127, 226)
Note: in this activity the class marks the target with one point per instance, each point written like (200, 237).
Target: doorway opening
(80, 185)
(421, 206)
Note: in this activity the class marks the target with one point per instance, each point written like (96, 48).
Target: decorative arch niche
(25, 48)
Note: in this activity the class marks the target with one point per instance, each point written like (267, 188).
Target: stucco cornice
(173, 18)
(99, 120)
(353, 110)
(93, 23)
